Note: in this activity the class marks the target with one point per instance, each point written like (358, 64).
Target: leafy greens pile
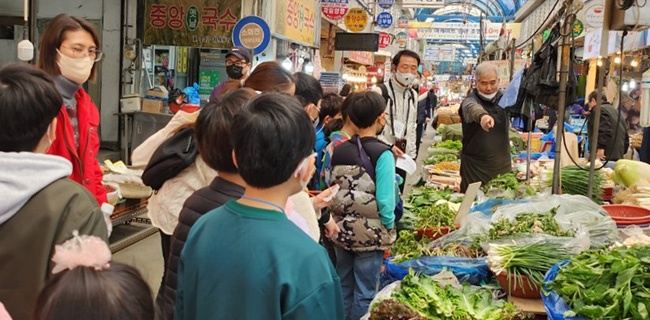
(432, 301)
(607, 284)
(507, 186)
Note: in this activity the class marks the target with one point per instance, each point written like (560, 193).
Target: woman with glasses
(68, 52)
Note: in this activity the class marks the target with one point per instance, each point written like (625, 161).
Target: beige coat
(166, 204)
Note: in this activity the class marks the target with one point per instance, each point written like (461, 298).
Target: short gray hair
(484, 68)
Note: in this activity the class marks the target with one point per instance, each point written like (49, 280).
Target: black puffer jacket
(199, 203)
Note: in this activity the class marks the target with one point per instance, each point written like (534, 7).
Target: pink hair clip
(84, 250)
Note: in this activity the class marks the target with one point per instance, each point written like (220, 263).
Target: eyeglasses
(237, 63)
(93, 54)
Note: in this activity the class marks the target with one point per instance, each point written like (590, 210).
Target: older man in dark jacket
(613, 139)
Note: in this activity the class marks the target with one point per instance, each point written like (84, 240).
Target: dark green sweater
(241, 262)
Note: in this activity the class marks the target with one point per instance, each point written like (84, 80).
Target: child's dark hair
(270, 76)
(308, 89)
(115, 293)
(213, 127)
(271, 135)
(363, 108)
(345, 91)
(29, 102)
(331, 106)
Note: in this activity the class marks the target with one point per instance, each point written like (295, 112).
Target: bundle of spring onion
(532, 260)
(575, 180)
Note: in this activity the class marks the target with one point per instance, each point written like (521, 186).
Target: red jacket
(85, 167)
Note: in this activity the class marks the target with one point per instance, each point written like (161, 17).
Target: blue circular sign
(252, 33)
(386, 4)
(384, 20)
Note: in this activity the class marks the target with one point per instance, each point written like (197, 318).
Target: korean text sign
(191, 23)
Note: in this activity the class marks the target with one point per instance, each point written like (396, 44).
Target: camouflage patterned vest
(355, 207)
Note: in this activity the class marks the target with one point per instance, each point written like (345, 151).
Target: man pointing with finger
(486, 147)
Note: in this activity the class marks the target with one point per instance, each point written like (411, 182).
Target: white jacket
(404, 102)
(165, 205)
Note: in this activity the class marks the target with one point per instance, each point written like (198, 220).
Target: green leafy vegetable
(607, 284)
(425, 296)
(507, 186)
(450, 144)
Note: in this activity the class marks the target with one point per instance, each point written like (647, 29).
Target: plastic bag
(509, 97)
(635, 236)
(573, 212)
(474, 225)
(554, 304)
(192, 94)
(472, 270)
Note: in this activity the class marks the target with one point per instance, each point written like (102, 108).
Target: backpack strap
(365, 159)
(384, 92)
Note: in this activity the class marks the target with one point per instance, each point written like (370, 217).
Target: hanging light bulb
(634, 63)
(600, 62)
(374, 79)
(617, 60)
(625, 87)
(632, 84)
(287, 64)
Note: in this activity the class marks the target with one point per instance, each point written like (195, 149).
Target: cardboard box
(130, 103)
(154, 106)
(158, 92)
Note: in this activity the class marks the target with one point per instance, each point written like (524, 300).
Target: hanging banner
(420, 3)
(384, 40)
(403, 22)
(362, 57)
(356, 20)
(296, 21)
(466, 31)
(334, 9)
(439, 53)
(384, 20)
(385, 4)
(191, 24)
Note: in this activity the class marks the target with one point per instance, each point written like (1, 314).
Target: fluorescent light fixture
(429, 19)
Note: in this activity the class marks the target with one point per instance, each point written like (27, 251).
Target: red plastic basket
(432, 233)
(628, 215)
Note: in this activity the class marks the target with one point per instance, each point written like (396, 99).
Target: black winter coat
(199, 203)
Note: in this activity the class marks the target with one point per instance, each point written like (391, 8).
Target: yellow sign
(356, 20)
(296, 20)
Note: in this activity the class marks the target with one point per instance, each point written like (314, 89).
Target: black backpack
(172, 156)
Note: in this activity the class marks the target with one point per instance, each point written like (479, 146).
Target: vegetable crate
(536, 143)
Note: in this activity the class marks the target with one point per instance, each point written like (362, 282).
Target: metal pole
(593, 140)
(564, 76)
(530, 137)
(513, 52)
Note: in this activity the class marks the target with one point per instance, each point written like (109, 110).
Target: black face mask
(234, 72)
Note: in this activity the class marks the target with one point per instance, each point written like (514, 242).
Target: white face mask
(416, 82)
(405, 78)
(76, 70)
(304, 165)
(488, 96)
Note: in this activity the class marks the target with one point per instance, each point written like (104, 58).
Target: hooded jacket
(40, 208)
(85, 167)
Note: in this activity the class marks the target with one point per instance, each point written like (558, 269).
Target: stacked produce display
(561, 252)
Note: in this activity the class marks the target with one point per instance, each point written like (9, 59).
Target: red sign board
(384, 40)
(334, 9)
